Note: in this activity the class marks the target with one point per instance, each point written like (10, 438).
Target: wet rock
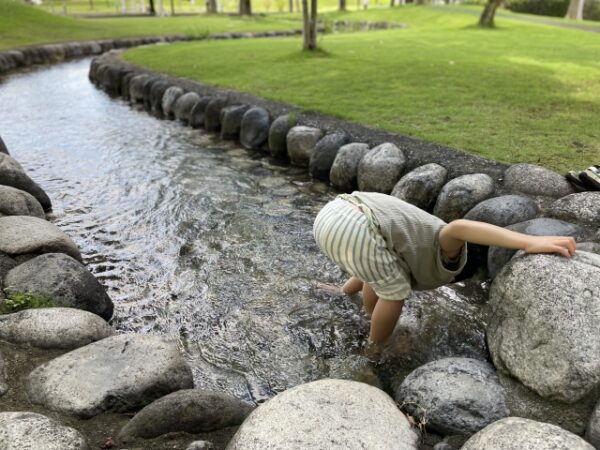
(583, 207)
(231, 121)
(65, 328)
(136, 88)
(344, 414)
(592, 433)
(156, 95)
(15, 202)
(421, 186)
(454, 395)
(169, 99)
(301, 143)
(27, 430)
(62, 279)
(119, 373)
(184, 105)
(23, 235)
(6, 265)
(344, 170)
(536, 180)
(3, 148)
(498, 257)
(126, 85)
(254, 130)
(12, 174)
(190, 410)
(198, 111)
(505, 210)
(200, 445)
(324, 154)
(148, 85)
(380, 169)
(278, 135)
(528, 298)
(461, 194)
(515, 433)
(212, 114)
(3, 383)
(109, 79)
(592, 247)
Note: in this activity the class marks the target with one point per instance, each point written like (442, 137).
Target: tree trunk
(309, 17)
(291, 6)
(487, 16)
(342, 5)
(392, 3)
(575, 10)
(245, 8)
(152, 10)
(172, 8)
(211, 6)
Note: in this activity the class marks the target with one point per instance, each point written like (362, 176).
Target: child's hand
(329, 288)
(551, 244)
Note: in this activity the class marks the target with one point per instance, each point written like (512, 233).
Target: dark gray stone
(148, 85)
(136, 88)
(528, 298)
(3, 383)
(12, 174)
(156, 95)
(66, 281)
(254, 130)
(505, 210)
(6, 265)
(461, 194)
(498, 257)
(184, 105)
(535, 180)
(126, 85)
(421, 186)
(3, 148)
(15, 202)
(190, 410)
(301, 142)
(278, 135)
(212, 114)
(324, 154)
(198, 111)
(583, 207)
(231, 121)
(515, 433)
(592, 433)
(119, 373)
(453, 395)
(344, 170)
(26, 235)
(169, 99)
(380, 169)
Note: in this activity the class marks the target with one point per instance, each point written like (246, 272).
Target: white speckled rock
(535, 180)
(380, 169)
(169, 100)
(327, 414)
(583, 207)
(592, 433)
(459, 195)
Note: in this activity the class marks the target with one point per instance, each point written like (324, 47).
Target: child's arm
(454, 235)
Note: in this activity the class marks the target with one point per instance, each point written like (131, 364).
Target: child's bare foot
(329, 288)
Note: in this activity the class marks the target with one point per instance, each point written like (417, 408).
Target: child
(391, 247)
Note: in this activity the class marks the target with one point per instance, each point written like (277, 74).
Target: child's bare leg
(369, 299)
(384, 319)
(352, 286)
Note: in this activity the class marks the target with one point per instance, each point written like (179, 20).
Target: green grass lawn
(518, 93)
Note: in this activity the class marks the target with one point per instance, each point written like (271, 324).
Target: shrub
(555, 8)
(17, 302)
(591, 10)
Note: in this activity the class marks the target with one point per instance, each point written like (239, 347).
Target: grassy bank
(518, 93)
(22, 25)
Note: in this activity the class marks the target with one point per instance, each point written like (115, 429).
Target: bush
(591, 10)
(17, 302)
(555, 8)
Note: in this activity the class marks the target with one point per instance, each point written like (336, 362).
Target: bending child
(391, 247)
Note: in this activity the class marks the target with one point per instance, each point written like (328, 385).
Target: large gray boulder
(13, 174)
(254, 130)
(583, 207)
(126, 85)
(324, 154)
(15, 202)
(453, 395)
(184, 105)
(380, 169)
(332, 414)
(505, 210)
(148, 85)
(64, 280)
(278, 135)
(169, 100)
(198, 111)
(212, 113)
(592, 433)
(231, 121)
(301, 142)
(65, 328)
(528, 298)
(136, 88)
(515, 433)
(24, 235)
(157, 93)
(344, 170)
(461, 194)
(3, 148)
(421, 186)
(119, 373)
(27, 430)
(189, 410)
(535, 180)
(498, 257)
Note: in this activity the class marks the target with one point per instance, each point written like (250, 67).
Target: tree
(152, 10)
(487, 16)
(211, 6)
(575, 10)
(342, 5)
(310, 24)
(245, 8)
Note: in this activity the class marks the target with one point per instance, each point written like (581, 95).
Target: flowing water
(194, 239)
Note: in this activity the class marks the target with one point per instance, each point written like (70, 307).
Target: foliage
(556, 8)
(20, 301)
(591, 10)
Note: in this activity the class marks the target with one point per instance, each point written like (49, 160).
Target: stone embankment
(534, 384)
